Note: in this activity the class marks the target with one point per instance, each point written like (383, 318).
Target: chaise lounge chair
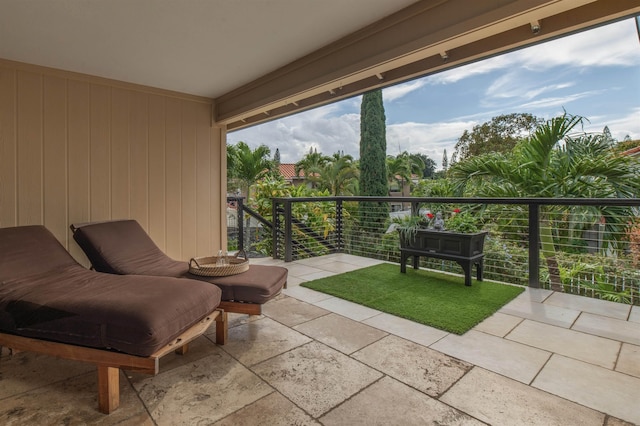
(123, 247)
(50, 304)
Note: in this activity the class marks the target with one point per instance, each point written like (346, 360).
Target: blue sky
(595, 74)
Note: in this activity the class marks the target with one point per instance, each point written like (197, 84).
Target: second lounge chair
(123, 247)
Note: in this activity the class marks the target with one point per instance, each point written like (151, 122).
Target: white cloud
(396, 92)
(620, 126)
(611, 45)
(430, 139)
(557, 101)
(518, 84)
(471, 70)
(320, 128)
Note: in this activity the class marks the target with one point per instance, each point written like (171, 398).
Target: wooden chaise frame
(109, 362)
(247, 308)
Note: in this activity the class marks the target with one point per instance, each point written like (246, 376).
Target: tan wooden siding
(77, 149)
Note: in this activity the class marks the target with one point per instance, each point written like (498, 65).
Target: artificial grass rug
(438, 300)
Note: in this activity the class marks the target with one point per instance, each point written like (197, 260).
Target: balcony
(545, 358)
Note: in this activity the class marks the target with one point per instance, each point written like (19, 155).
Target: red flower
(430, 215)
(456, 210)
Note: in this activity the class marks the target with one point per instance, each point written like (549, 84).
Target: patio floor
(545, 358)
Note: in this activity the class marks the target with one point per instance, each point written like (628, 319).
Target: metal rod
(534, 246)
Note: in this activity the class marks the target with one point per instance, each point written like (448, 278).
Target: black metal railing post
(415, 208)
(275, 249)
(288, 232)
(240, 219)
(534, 245)
(340, 245)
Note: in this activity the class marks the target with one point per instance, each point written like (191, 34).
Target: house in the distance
(288, 172)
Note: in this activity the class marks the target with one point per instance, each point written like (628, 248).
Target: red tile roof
(288, 171)
(632, 151)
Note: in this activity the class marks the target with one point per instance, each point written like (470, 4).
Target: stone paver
(549, 314)
(585, 347)
(27, 371)
(629, 360)
(347, 309)
(512, 359)
(306, 294)
(272, 410)
(341, 333)
(598, 325)
(602, 389)
(422, 368)
(299, 270)
(316, 377)
(498, 324)
(389, 402)
(498, 400)
(259, 340)
(207, 390)
(634, 316)
(586, 304)
(291, 312)
(71, 402)
(339, 267)
(418, 333)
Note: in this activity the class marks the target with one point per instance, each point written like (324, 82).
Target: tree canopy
(247, 165)
(500, 134)
(373, 146)
(373, 158)
(554, 163)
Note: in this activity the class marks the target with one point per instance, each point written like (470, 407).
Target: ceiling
(263, 59)
(200, 47)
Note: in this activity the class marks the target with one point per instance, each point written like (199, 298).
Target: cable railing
(595, 243)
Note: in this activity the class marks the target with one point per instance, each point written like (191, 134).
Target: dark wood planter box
(465, 249)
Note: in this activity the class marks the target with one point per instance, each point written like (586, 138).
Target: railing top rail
(464, 200)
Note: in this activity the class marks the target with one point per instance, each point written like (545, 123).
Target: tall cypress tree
(373, 158)
(276, 157)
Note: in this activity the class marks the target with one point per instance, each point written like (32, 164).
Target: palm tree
(543, 166)
(249, 166)
(311, 161)
(402, 167)
(338, 175)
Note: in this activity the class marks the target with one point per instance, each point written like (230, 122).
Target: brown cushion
(30, 250)
(257, 285)
(52, 297)
(123, 247)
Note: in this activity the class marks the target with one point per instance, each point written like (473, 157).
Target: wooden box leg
(108, 389)
(222, 328)
(182, 350)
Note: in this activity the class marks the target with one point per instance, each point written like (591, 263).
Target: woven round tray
(206, 266)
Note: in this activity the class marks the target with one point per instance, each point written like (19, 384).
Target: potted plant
(458, 235)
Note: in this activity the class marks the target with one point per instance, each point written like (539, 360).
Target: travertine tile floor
(545, 358)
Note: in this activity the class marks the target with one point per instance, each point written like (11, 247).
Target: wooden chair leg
(222, 328)
(182, 350)
(108, 389)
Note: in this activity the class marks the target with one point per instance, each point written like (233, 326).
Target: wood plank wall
(77, 148)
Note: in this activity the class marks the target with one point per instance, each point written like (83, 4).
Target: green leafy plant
(463, 222)
(409, 226)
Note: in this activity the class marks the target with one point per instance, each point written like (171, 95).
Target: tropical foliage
(402, 167)
(500, 134)
(247, 166)
(553, 162)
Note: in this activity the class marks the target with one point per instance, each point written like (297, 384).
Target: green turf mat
(431, 298)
